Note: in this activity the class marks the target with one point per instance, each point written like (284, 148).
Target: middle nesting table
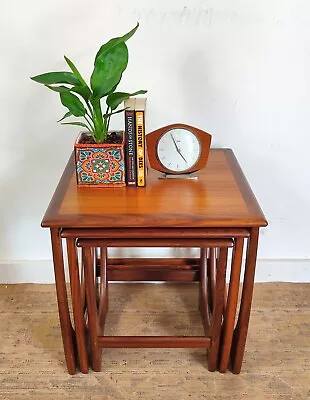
(89, 284)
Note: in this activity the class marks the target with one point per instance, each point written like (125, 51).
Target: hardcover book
(140, 140)
(130, 142)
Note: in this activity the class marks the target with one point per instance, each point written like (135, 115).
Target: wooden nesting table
(217, 214)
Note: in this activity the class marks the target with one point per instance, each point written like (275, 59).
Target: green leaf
(115, 99)
(109, 69)
(75, 71)
(116, 112)
(58, 89)
(73, 103)
(76, 124)
(114, 42)
(68, 114)
(113, 89)
(83, 91)
(51, 78)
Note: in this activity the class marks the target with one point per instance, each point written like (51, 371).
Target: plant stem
(88, 126)
(87, 117)
(108, 122)
(99, 125)
(90, 109)
(108, 118)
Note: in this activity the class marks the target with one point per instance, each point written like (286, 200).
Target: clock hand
(175, 143)
(176, 146)
(182, 156)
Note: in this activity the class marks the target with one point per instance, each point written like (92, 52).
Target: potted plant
(99, 153)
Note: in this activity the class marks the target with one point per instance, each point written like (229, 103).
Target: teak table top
(221, 197)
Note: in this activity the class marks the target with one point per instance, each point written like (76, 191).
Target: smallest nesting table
(217, 214)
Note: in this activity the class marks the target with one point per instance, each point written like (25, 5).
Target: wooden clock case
(153, 138)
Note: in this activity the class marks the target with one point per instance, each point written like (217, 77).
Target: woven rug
(276, 363)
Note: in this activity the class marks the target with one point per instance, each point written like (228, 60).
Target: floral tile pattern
(100, 166)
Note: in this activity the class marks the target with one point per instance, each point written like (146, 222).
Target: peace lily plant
(110, 63)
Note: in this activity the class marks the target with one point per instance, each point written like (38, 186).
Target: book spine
(130, 148)
(140, 139)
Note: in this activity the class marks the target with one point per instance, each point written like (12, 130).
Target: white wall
(238, 69)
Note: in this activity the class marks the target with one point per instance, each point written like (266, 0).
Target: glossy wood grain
(103, 290)
(217, 312)
(215, 212)
(93, 320)
(68, 335)
(77, 305)
(144, 262)
(203, 301)
(154, 342)
(211, 272)
(154, 275)
(153, 269)
(241, 330)
(146, 242)
(212, 325)
(221, 197)
(231, 305)
(151, 233)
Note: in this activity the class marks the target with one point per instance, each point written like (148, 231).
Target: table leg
(204, 301)
(103, 290)
(77, 305)
(211, 272)
(217, 312)
(68, 335)
(231, 305)
(93, 320)
(241, 330)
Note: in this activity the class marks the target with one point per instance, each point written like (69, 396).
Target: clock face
(178, 150)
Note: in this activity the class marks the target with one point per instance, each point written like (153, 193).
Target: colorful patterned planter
(100, 165)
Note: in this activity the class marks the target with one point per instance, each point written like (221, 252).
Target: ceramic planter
(100, 165)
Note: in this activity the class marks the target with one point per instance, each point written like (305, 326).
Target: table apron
(155, 233)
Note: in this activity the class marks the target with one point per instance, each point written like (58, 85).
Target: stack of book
(135, 154)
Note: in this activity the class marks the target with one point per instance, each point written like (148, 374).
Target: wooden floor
(276, 365)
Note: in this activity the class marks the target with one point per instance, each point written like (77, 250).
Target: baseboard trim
(283, 270)
(42, 271)
(32, 271)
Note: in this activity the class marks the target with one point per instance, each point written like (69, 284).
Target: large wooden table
(217, 213)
